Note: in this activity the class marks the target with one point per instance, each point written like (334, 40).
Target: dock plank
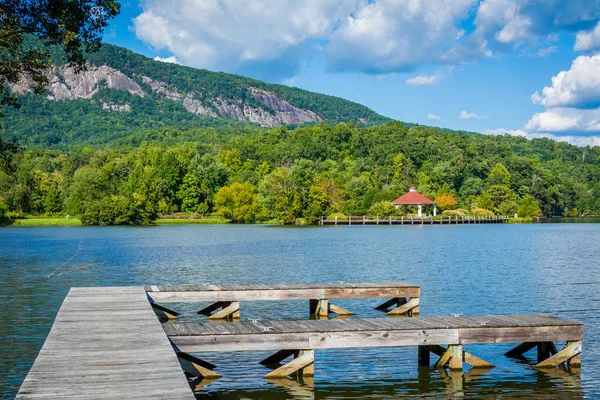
(374, 332)
(106, 343)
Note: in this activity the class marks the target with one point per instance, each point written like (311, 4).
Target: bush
(482, 212)
(382, 209)
(454, 213)
(340, 216)
(529, 207)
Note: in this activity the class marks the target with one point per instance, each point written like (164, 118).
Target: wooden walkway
(443, 220)
(106, 343)
(403, 297)
(300, 338)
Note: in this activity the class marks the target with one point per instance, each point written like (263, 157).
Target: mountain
(123, 92)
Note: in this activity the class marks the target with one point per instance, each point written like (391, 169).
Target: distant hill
(123, 93)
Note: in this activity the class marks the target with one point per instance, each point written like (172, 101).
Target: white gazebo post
(434, 210)
(420, 210)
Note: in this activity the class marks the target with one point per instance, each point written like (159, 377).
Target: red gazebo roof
(413, 197)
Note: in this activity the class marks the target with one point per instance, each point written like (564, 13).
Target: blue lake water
(462, 269)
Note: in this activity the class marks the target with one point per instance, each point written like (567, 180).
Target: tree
(3, 210)
(238, 202)
(190, 194)
(484, 201)
(445, 201)
(278, 195)
(73, 25)
(499, 175)
(529, 207)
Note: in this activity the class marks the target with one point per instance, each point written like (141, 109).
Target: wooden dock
(106, 343)
(299, 339)
(442, 220)
(403, 297)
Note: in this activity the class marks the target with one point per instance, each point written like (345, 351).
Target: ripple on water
(468, 270)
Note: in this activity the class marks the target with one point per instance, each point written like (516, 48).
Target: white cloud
(467, 115)
(290, 81)
(424, 80)
(397, 35)
(588, 40)
(382, 77)
(565, 120)
(432, 117)
(576, 140)
(577, 87)
(171, 59)
(233, 34)
(375, 37)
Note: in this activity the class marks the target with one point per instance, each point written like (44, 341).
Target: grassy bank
(185, 221)
(45, 222)
(520, 220)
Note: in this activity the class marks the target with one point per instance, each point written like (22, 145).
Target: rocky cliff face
(65, 84)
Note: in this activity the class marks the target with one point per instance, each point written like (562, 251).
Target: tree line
(298, 175)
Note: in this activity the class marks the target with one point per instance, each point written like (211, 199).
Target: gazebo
(417, 199)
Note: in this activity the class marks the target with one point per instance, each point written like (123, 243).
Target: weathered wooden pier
(403, 297)
(301, 338)
(412, 220)
(107, 343)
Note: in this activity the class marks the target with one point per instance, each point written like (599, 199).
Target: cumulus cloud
(576, 140)
(588, 40)
(467, 115)
(235, 35)
(565, 120)
(432, 117)
(578, 87)
(171, 59)
(397, 35)
(376, 37)
(424, 80)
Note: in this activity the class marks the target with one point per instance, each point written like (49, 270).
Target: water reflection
(430, 383)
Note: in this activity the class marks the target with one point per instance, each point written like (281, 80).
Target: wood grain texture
(106, 343)
(198, 293)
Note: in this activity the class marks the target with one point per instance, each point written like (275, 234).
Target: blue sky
(474, 65)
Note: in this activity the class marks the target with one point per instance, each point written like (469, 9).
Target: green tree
(485, 201)
(190, 194)
(238, 202)
(279, 197)
(3, 210)
(499, 175)
(529, 207)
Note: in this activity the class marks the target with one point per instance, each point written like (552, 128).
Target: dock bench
(402, 297)
(299, 339)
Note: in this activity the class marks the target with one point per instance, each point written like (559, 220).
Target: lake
(462, 269)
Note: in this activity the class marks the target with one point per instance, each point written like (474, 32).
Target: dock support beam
(229, 310)
(322, 307)
(303, 363)
(448, 354)
(403, 307)
(571, 354)
(197, 367)
(164, 312)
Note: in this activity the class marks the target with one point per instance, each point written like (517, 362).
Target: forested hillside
(123, 92)
(298, 175)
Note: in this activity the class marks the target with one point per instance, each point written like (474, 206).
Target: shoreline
(222, 221)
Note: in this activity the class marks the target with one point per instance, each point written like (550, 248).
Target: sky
(519, 67)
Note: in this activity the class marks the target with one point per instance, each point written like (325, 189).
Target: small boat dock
(107, 342)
